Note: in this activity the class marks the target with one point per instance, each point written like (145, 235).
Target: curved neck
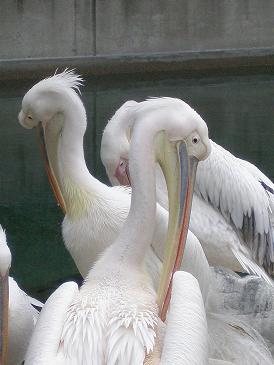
(137, 232)
(122, 121)
(77, 184)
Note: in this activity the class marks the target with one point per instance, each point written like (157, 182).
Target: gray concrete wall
(186, 25)
(68, 28)
(46, 28)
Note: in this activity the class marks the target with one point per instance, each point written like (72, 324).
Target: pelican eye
(195, 139)
(30, 117)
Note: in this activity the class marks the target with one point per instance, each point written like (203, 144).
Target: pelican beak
(179, 170)
(49, 153)
(4, 317)
(5, 263)
(122, 172)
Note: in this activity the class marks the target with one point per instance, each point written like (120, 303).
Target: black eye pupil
(195, 140)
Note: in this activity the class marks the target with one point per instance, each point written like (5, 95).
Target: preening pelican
(95, 212)
(233, 202)
(114, 317)
(20, 313)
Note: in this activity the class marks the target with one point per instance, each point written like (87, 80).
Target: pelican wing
(22, 319)
(231, 339)
(241, 193)
(186, 340)
(45, 347)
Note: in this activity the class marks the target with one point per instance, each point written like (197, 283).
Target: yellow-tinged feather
(78, 200)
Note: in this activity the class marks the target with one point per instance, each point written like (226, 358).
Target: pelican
(233, 202)
(113, 318)
(184, 340)
(44, 348)
(19, 314)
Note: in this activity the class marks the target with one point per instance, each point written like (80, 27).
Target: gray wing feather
(243, 195)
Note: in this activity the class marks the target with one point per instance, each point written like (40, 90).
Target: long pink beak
(4, 318)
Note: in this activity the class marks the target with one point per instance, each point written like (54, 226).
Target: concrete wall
(46, 28)
(174, 25)
(67, 28)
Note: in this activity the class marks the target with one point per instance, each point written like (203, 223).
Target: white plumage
(22, 315)
(45, 347)
(112, 320)
(186, 340)
(225, 183)
(232, 213)
(22, 319)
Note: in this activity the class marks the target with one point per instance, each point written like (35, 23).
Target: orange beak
(188, 166)
(179, 170)
(41, 133)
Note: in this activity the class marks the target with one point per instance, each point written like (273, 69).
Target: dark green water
(239, 111)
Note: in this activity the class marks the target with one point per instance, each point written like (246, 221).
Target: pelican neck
(137, 232)
(74, 174)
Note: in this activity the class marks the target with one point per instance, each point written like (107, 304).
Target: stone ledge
(210, 62)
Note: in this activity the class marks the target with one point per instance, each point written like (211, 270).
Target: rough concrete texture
(38, 28)
(173, 25)
(65, 28)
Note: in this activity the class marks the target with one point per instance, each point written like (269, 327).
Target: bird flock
(160, 250)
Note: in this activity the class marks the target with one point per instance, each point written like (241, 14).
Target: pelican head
(44, 100)
(116, 137)
(115, 159)
(46, 106)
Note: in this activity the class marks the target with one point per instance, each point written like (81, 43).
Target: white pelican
(44, 348)
(183, 341)
(233, 202)
(114, 317)
(20, 313)
(95, 212)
